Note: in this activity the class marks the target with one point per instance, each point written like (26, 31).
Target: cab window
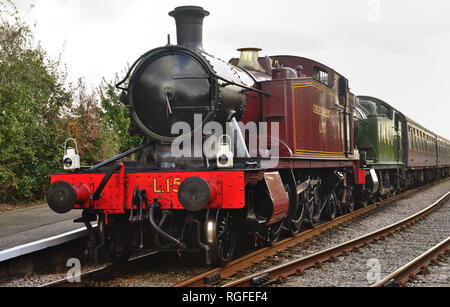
(321, 75)
(383, 111)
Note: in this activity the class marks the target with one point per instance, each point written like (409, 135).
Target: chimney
(189, 20)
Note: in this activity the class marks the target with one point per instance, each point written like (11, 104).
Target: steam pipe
(158, 229)
(242, 150)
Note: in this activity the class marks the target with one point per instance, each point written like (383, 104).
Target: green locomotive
(380, 139)
(395, 151)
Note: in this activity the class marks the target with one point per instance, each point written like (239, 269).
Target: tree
(38, 112)
(32, 97)
(115, 116)
(96, 142)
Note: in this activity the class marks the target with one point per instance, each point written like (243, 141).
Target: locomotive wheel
(221, 236)
(332, 207)
(297, 218)
(314, 207)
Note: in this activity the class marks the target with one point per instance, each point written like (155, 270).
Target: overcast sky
(396, 50)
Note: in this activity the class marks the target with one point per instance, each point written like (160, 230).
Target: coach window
(321, 75)
(415, 139)
(421, 141)
(409, 138)
(424, 142)
(424, 148)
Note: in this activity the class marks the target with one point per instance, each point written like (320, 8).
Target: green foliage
(32, 95)
(115, 116)
(84, 123)
(99, 122)
(38, 113)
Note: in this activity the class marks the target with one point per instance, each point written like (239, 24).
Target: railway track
(97, 277)
(419, 265)
(222, 275)
(282, 272)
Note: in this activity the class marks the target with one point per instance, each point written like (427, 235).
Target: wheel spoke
(223, 248)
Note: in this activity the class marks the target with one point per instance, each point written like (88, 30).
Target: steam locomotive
(299, 148)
